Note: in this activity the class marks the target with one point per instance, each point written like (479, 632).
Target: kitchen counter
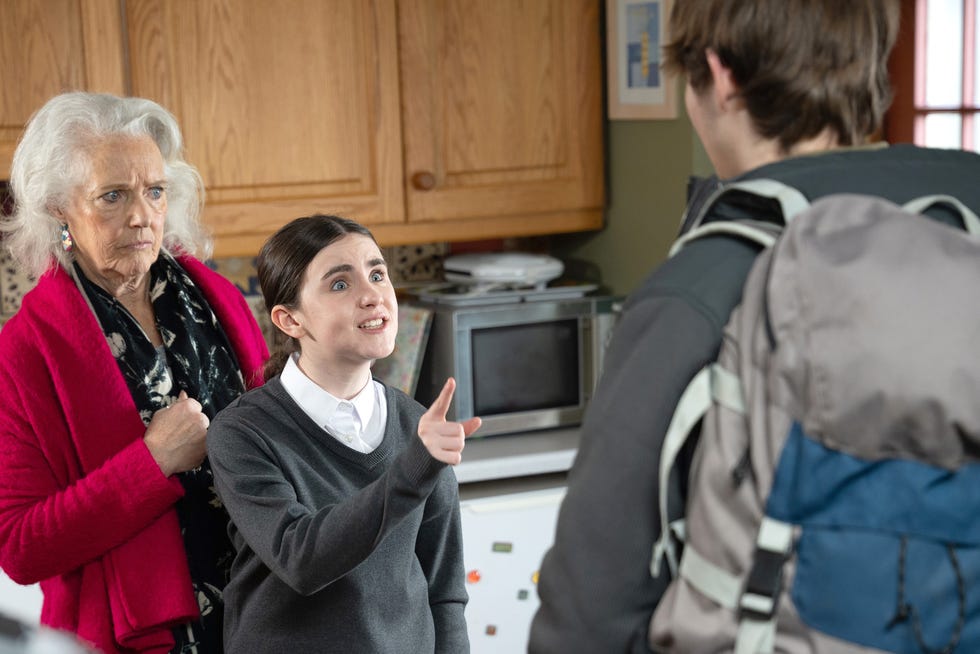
(518, 455)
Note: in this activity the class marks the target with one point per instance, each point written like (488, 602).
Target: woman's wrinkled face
(116, 215)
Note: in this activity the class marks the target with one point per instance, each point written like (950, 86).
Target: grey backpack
(834, 501)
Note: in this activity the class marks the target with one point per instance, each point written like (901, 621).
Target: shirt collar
(320, 405)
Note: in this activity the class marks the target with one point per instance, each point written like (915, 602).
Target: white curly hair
(51, 162)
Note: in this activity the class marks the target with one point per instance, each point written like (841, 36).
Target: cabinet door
(51, 46)
(502, 114)
(288, 107)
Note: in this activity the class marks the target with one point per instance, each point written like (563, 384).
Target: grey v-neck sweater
(337, 550)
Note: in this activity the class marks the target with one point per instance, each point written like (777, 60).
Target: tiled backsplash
(407, 263)
(13, 285)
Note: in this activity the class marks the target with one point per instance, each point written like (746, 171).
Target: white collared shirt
(358, 423)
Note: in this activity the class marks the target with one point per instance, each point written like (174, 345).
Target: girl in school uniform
(344, 509)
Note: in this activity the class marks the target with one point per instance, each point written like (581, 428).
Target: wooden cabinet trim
(240, 230)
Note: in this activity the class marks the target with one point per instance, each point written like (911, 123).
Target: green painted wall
(649, 163)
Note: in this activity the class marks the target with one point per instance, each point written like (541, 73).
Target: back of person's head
(801, 66)
(281, 267)
(52, 160)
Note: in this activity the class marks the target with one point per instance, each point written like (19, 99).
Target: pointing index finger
(440, 407)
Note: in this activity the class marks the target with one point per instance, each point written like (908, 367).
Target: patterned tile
(415, 263)
(13, 285)
(257, 304)
(240, 271)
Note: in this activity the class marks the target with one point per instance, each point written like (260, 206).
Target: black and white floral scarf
(196, 357)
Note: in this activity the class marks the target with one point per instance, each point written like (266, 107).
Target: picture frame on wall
(638, 89)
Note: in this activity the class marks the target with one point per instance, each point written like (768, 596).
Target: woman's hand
(444, 438)
(175, 435)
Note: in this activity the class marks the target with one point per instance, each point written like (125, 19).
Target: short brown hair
(801, 65)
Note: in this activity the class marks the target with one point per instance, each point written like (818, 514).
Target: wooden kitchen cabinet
(288, 107)
(49, 46)
(429, 120)
(502, 115)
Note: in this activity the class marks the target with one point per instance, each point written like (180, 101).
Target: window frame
(905, 120)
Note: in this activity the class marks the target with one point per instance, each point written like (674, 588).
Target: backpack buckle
(760, 599)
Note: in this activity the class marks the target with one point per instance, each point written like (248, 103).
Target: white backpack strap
(920, 205)
(758, 603)
(757, 623)
(747, 230)
(713, 582)
(791, 203)
(713, 384)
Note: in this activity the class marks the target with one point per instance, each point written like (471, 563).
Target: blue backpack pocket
(888, 554)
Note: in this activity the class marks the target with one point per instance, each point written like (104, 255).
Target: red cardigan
(84, 508)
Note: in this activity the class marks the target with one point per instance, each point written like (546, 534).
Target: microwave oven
(520, 366)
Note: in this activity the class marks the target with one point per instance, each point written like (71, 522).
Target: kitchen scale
(518, 268)
(499, 277)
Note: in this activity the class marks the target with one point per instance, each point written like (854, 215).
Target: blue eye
(156, 192)
(377, 277)
(112, 196)
(338, 285)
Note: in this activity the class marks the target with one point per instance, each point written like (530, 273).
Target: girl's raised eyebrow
(344, 267)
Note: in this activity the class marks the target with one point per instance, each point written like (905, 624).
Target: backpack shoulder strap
(713, 384)
(922, 204)
(790, 200)
(762, 233)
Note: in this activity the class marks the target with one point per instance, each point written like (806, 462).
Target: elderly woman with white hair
(110, 373)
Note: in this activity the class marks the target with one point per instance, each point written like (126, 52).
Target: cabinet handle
(424, 180)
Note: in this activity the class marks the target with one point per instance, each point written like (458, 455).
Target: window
(935, 75)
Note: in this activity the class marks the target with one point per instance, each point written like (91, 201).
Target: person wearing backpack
(785, 90)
